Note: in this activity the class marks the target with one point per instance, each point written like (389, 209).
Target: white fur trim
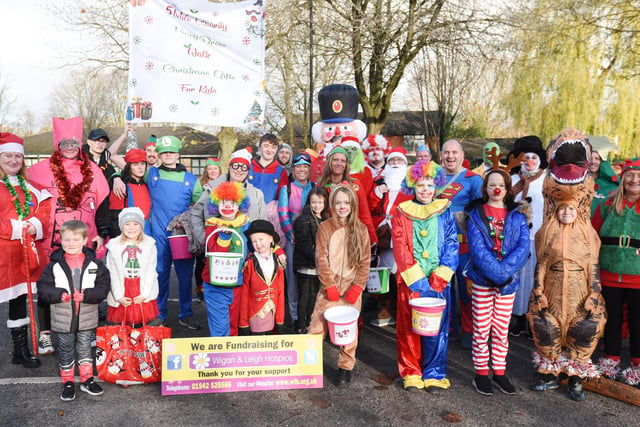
(17, 323)
(38, 226)
(16, 229)
(12, 147)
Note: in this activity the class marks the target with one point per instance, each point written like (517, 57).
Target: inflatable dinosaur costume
(566, 309)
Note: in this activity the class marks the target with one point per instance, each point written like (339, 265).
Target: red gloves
(65, 297)
(78, 296)
(437, 283)
(333, 294)
(353, 294)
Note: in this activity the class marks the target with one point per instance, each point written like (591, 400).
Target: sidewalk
(374, 397)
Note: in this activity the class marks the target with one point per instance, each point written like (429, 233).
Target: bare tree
(6, 99)
(386, 35)
(96, 96)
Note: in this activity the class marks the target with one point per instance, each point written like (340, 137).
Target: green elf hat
(168, 144)
(212, 161)
(336, 150)
(630, 164)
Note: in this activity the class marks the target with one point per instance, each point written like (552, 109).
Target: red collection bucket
(342, 322)
(180, 247)
(426, 315)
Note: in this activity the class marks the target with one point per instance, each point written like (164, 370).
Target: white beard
(393, 176)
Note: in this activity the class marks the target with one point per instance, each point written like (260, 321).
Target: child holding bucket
(227, 207)
(425, 246)
(342, 261)
(305, 228)
(262, 300)
(131, 261)
(498, 235)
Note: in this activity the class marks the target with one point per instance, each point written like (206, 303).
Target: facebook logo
(174, 363)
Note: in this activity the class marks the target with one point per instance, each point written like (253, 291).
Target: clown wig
(227, 191)
(424, 169)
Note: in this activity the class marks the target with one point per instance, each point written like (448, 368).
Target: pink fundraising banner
(192, 61)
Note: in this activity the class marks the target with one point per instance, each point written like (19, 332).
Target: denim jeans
(72, 342)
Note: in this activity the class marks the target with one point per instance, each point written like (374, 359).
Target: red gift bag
(126, 355)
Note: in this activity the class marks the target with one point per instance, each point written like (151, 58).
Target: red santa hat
(241, 156)
(375, 141)
(398, 152)
(10, 143)
(70, 129)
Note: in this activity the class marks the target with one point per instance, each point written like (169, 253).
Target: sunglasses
(239, 166)
(67, 144)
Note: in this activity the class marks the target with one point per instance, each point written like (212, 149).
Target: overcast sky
(30, 50)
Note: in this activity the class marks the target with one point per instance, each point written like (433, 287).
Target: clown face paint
(425, 189)
(228, 209)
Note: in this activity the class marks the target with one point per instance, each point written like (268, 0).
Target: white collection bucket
(224, 267)
(342, 322)
(426, 315)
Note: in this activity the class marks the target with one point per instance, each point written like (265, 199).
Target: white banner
(191, 61)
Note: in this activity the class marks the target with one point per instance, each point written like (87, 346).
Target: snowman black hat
(262, 226)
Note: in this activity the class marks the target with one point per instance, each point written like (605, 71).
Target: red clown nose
(497, 191)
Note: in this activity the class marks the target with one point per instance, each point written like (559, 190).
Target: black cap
(262, 226)
(96, 134)
(338, 103)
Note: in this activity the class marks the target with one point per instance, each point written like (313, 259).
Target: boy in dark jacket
(74, 282)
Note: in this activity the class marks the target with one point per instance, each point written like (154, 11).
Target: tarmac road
(30, 397)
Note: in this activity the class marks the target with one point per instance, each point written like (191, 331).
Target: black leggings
(615, 299)
(308, 287)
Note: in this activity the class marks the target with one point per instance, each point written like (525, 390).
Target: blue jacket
(484, 268)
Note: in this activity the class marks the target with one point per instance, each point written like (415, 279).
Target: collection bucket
(180, 247)
(224, 267)
(342, 322)
(378, 281)
(426, 315)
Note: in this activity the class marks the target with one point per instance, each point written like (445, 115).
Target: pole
(28, 245)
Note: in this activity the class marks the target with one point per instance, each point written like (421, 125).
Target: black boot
(21, 353)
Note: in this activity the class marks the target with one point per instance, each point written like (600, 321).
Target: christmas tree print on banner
(254, 113)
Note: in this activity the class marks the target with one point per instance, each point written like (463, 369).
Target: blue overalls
(168, 199)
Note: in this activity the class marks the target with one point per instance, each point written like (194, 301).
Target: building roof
(194, 142)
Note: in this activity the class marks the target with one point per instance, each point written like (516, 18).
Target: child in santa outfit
(262, 301)
(425, 267)
(226, 208)
(131, 261)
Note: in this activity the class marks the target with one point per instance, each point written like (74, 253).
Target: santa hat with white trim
(375, 141)
(10, 143)
(397, 152)
(241, 156)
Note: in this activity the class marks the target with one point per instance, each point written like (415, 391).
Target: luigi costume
(172, 191)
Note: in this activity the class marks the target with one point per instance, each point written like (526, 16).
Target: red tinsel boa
(71, 195)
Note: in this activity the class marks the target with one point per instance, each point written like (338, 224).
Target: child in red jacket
(262, 301)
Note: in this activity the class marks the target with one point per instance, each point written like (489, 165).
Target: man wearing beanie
(172, 190)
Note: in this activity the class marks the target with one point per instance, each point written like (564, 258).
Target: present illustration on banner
(136, 103)
(147, 109)
(139, 109)
(135, 3)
